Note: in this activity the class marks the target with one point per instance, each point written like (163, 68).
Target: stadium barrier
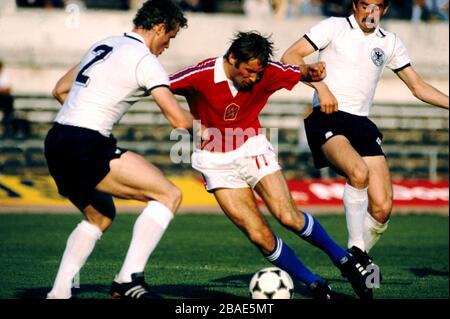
(39, 193)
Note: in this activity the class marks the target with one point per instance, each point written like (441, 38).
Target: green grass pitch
(206, 256)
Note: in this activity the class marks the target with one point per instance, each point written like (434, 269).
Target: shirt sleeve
(400, 58)
(183, 80)
(321, 34)
(282, 76)
(150, 74)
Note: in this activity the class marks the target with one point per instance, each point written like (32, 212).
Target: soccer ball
(271, 283)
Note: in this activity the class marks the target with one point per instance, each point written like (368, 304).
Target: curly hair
(251, 45)
(154, 12)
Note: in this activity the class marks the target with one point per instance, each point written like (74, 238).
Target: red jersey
(214, 100)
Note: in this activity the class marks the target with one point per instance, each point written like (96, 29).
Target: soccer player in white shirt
(85, 161)
(356, 50)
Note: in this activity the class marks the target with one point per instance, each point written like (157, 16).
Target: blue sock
(284, 257)
(314, 233)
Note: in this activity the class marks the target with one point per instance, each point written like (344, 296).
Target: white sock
(355, 203)
(372, 231)
(79, 246)
(147, 232)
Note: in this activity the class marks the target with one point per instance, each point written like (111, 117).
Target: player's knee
(359, 176)
(172, 199)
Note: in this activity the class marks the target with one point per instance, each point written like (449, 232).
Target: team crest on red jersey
(231, 112)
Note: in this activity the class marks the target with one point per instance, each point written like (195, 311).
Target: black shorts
(362, 133)
(78, 159)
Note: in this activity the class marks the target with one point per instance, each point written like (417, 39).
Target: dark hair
(386, 2)
(154, 12)
(251, 45)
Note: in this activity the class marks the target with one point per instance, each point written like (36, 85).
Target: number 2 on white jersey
(102, 53)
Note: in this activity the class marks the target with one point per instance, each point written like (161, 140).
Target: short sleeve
(281, 76)
(150, 73)
(321, 34)
(400, 58)
(182, 81)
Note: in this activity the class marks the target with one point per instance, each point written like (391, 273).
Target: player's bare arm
(64, 84)
(297, 51)
(315, 72)
(295, 55)
(175, 114)
(421, 89)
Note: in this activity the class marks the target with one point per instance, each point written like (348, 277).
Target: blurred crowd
(415, 10)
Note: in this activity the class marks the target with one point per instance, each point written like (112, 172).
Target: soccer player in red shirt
(227, 94)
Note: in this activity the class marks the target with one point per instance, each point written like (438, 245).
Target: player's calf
(263, 238)
(293, 219)
(381, 212)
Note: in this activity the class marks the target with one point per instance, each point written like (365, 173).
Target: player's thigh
(240, 206)
(380, 187)
(275, 193)
(341, 154)
(132, 177)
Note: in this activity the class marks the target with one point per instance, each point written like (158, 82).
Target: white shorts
(241, 168)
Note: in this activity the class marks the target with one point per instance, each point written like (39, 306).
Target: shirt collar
(352, 22)
(354, 25)
(220, 76)
(135, 36)
(219, 71)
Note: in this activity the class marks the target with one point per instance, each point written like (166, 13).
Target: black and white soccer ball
(271, 283)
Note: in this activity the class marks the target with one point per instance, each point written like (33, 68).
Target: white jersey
(113, 75)
(355, 61)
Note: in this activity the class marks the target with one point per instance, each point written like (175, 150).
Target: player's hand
(202, 137)
(205, 137)
(313, 72)
(327, 101)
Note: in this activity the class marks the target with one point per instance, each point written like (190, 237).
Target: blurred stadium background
(41, 39)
